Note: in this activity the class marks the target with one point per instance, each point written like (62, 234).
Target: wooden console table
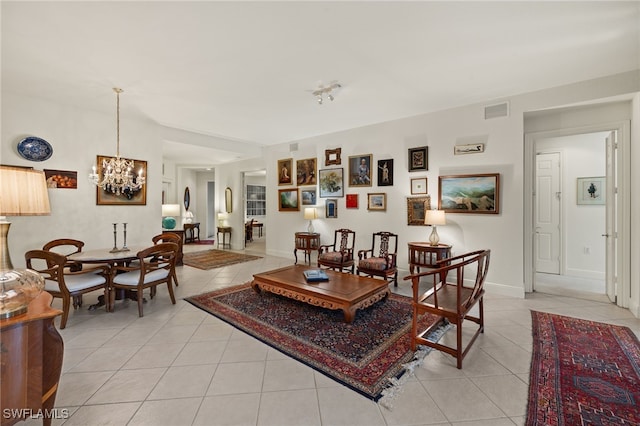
(426, 255)
(31, 351)
(307, 242)
(224, 230)
(191, 232)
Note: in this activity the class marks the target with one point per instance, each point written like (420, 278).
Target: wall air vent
(497, 110)
(293, 147)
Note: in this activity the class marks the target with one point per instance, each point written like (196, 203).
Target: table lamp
(23, 192)
(433, 218)
(222, 216)
(188, 217)
(310, 213)
(168, 213)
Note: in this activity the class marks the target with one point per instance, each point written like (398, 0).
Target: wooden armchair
(155, 265)
(338, 255)
(66, 284)
(380, 260)
(451, 297)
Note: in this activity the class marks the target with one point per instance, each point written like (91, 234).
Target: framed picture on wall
(285, 171)
(592, 190)
(331, 208)
(385, 172)
(332, 157)
(352, 201)
(418, 158)
(331, 183)
(288, 200)
(306, 171)
(135, 198)
(308, 197)
(360, 170)
(416, 208)
(377, 201)
(469, 193)
(419, 185)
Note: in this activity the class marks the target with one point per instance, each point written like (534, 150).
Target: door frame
(623, 209)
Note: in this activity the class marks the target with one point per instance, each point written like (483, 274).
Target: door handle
(605, 235)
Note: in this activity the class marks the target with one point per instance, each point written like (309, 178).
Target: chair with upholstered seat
(169, 237)
(339, 255)
(63, 283)
(453, 288)
(155, 265)
(380, 259)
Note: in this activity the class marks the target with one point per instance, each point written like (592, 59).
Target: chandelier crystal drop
(117, 173)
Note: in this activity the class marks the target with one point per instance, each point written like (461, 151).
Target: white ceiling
(244, 71)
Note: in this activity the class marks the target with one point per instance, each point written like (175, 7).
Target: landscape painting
(469, 193)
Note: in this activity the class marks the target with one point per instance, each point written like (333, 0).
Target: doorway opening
(254, 199)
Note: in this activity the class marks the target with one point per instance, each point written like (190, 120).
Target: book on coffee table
(315, 275)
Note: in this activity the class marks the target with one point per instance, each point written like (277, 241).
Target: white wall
(440, 131)
(583, 225)
(77, 137)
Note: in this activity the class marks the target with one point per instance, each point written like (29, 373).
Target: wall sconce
(433, 218)
(169, 211)
(310, 213)
(23, 192)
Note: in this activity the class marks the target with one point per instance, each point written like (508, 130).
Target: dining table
(111, 257)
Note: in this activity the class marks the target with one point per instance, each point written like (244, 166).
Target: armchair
(66, 284)
(451, 298)
(155, 265)
(168, 237)
(338, 255)
(380, 259)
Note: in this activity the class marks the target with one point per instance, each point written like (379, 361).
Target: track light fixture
(327, 91)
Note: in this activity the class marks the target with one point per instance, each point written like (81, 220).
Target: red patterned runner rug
(583, 373)
(367, 355)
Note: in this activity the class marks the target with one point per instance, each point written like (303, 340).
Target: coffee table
(343, 291)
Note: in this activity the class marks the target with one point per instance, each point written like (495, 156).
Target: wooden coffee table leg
(349, 314)
(255, 287)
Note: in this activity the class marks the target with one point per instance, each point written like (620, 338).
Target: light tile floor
(181, 366)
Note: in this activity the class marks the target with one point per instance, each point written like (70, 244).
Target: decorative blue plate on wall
(35, 149)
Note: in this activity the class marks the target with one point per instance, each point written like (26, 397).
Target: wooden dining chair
(380, 259)
(339, 255)
(453, 288)
(168, 237)
(64, 283)
(155, 265)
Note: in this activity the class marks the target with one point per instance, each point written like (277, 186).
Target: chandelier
(117, 173)
(321, 91)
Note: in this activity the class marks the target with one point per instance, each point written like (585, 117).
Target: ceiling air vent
(497, 110)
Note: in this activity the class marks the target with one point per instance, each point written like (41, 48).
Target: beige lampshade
(435, 217)
(170, 210)
(310, 213)
(23, 192)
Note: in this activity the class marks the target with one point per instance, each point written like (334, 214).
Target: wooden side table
(191, 232)
(224, 230)
(31, 362)
(307, 242)
(425, 255)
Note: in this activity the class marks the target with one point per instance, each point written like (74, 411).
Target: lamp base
(168, 222)
(310, 227)
(434, 238)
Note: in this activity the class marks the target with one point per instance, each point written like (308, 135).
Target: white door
(610, 234)
(547, 213)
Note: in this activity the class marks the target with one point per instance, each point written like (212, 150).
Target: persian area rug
(210, 259)
(368, 355)
(583, 373)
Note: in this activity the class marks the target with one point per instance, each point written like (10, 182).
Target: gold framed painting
(416, 210)
(306, 171)
(127, 198)
(285, 171)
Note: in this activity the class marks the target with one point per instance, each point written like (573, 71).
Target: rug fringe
(395, 386)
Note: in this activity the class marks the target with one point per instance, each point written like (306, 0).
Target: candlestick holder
(124, 246)
(115, 239)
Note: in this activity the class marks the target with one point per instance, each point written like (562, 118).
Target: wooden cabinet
(307, 242)
(31, 351)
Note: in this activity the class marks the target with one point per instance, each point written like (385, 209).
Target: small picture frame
(306, 171)
(419, 185)
(308, 197)
(288, 200)
(419, 158)
(285, 171)
(416, 208)
(591, 190)
(331, 208)
(331, 182)
(61, 179)
(352, 201)
(385, 172)
(360, 170)
(470, 148)
(377, 201)
(332, 157)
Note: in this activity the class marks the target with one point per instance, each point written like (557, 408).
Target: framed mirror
(187, 198)
(228, 200)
